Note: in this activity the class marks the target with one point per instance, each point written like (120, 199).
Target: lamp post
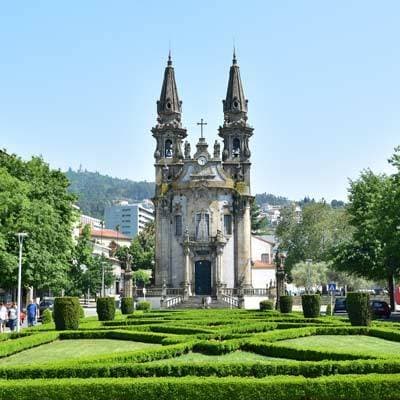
(84, 269)
(21, 236)
(308, 275)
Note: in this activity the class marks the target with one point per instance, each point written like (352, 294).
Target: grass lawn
(346, 343)
(236, 356)
(72, 349)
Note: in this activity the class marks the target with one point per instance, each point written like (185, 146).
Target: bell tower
(235, 131)
(168, 131)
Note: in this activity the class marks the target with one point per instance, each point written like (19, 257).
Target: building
(129, 218)
(110, 238)
(94, 223)
(202, 201)
(263, 266)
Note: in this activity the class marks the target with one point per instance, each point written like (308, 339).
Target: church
(203, 198)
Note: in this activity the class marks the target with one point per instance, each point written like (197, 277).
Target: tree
(142, 277)
(313, 235)
(309, 275)
(373, 250)
(34, 199)
(87, 268)
(257, 222)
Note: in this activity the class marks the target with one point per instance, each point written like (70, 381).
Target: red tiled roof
(108, 233)
(262, 239)
(262, 265)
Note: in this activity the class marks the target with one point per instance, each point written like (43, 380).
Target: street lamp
(21, 236)
(84, 269)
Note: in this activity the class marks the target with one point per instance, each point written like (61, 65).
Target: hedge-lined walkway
(203, 354)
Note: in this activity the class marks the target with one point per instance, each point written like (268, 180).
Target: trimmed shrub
(358, 308)
(285, 304)
(81, 312)
(105, 307)
(370, 387)
(127, 305)
(66, 313)
(47, 316)
(311, 304)
(329, 310)
(143, 306)
(266, 305)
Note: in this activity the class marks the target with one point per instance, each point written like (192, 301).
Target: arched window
(236, 147)
(168, 148)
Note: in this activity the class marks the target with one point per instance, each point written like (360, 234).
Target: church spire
(235, 104)
(169, 107)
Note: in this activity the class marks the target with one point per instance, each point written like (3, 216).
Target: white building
(130, 218)
(263, 267)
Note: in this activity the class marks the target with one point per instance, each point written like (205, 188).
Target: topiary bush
(81, 312)
(285, 304)
(105, 307)
(311, 304)
(127, 305)
(328, 310)
(143, 305)
(266, 305)
(47, 316)
(66, 313)
(358, 308)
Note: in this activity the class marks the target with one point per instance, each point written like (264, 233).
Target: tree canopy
(34, 199)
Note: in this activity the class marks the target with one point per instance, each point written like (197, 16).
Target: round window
(236, 104)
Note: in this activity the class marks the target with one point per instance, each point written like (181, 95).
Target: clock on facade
(202, 160)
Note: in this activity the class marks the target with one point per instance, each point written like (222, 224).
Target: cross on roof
(202, 123)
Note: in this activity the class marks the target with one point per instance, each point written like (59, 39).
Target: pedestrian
(3, 317)
(12, 317)
(31, 311)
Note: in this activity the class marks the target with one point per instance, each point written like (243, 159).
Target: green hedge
(358, 308)
(66, 313)
(285, 304)
(266, 305)
(371, 387)
(9, 347)
(127, 306)
(143, 306)
(105, 307)
(311, 304)
(47, 316)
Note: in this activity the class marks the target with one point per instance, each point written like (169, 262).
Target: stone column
(243, 243)
(186, 274)
(128, 282)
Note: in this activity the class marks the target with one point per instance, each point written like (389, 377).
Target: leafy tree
(373, 250)
(313, 235)
(257, 222)
(309, 275)
(34, 199)
(87, 269)
(142, 277)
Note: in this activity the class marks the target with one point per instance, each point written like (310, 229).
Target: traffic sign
(332, 287)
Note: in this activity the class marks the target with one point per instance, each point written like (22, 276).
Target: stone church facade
(202, 200)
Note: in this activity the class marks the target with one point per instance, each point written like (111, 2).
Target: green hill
(96, 191)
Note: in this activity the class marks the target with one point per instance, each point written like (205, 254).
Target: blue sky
(79, 82)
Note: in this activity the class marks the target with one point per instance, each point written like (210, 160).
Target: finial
(234, 61)
(169, 57)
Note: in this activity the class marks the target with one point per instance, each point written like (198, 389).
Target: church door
(202, 277)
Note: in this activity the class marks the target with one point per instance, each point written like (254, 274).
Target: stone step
(196, 302)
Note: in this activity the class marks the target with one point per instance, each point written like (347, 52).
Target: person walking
(31, 311)
(3, 317)
(12, 317)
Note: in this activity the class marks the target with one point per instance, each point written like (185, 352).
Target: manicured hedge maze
(169, 372)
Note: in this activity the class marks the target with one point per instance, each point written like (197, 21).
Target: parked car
(44, 305)
(380, 308)
(340, 305)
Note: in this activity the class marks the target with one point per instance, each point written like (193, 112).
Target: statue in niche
(187, 150)
(217, 149)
